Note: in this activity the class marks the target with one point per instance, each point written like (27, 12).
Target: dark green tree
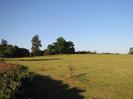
(8, 50)
(15, 51)
(36, 44)
(46, 52)
(50, 49)
(131, 50)
(4, 42)
(69, 48)
(3, 47)
(61, 46)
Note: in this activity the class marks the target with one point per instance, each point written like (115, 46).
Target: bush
(10, 78)
(86, 52)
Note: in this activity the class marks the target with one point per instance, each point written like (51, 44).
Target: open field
(101, 76)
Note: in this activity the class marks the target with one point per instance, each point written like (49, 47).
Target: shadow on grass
(50, 59)
(44, 87)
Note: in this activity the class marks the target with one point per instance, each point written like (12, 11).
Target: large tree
(61, 46)
(36, 44)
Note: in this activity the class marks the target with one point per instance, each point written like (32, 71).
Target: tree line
(8, 50)
(60, 46)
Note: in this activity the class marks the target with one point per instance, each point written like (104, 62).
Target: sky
(101, 25)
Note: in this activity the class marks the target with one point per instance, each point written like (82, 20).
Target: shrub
(10, 78)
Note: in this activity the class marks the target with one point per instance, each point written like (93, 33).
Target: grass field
(101, 76)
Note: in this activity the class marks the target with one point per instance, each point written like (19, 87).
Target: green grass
(102, 76)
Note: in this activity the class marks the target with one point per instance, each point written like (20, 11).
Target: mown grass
(102, 76)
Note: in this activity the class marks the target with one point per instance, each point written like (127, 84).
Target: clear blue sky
(101, 25)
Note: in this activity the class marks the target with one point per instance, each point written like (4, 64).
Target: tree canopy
(61, 46)
(36, 44)
(131, 50)
(8, 50)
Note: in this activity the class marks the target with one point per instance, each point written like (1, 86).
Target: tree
(24, 52)
(61, 46)
(15, 51)
(3, 47)
(4, 42)
(46, 52)
(36, 44)
(131, 50)
(51, 49)
(70, 47)
(8, 50)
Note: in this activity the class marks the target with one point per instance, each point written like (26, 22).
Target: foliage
(46, 52)
(61, 46)
(15, 51)
(85, 52)
(4, 42)
(35, 86)
(11, 79)
(36, 44)
(8, 50)
(3, 47)
(131, 51)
